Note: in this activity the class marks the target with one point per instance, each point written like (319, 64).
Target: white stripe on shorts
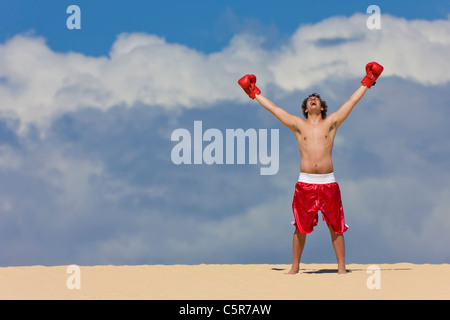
(316, 178)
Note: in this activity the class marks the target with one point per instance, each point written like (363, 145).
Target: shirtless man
(316, 188)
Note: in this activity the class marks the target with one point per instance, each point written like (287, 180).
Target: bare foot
(342, 271)
(292, 271)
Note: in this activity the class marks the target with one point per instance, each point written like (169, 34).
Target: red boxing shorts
(314, 192)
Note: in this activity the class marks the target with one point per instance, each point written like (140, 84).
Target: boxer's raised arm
(289, 120)
(248, 83)
(373, 71)
(344, 111)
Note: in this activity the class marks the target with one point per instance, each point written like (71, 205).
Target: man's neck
(314, 118)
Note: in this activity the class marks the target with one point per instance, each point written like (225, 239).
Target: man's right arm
(248, 83)
(289, 120)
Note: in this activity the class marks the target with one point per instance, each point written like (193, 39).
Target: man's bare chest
(316, 137)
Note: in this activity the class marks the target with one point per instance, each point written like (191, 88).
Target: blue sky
(86, 118)
(201, 24)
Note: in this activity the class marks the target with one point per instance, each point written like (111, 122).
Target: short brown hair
(322, 103)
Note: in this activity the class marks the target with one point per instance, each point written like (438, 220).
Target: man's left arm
(373, 71)
(344, 111)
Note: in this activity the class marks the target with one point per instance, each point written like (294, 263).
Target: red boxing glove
(247, 83)
(373, 71)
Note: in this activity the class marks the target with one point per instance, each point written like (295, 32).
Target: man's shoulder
(299, 122)
(331, 120)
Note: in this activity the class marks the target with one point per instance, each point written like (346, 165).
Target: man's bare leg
(339, 249)
(298, 243)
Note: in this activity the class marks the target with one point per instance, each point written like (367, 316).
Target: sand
(227, 282)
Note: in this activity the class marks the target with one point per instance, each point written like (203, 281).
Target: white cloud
(404, 215)
(37, 83)
(339, 47)
(258, 232)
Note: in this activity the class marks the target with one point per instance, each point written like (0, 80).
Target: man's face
(313, 103)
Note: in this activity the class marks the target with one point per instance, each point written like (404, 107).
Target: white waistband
(316, 178)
